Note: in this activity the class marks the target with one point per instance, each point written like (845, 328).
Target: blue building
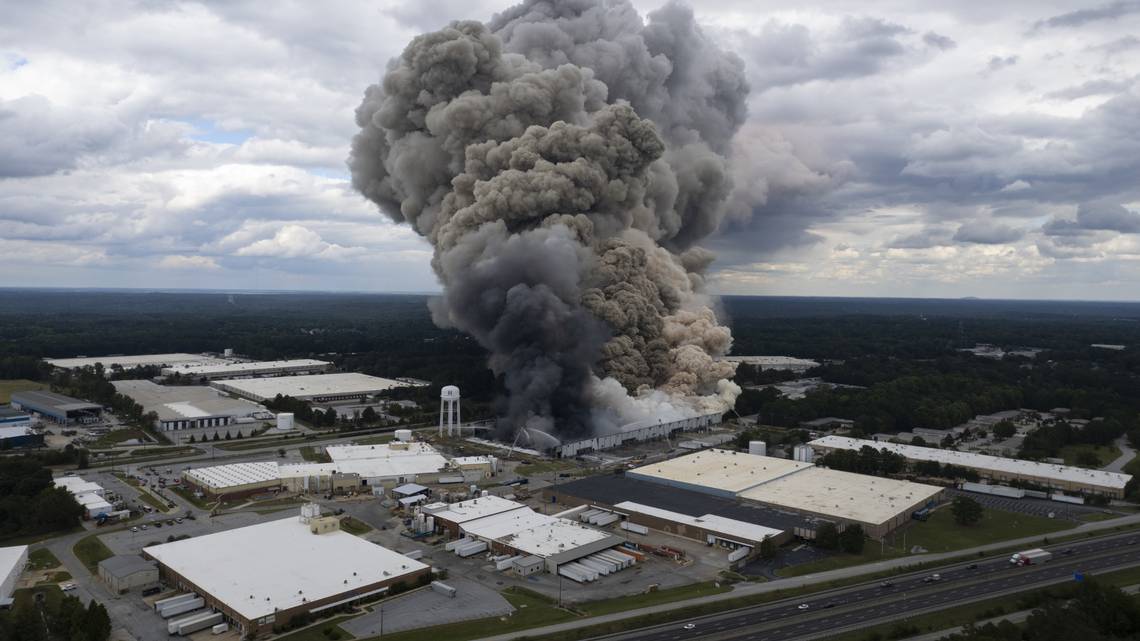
(17, 437)
(57, 407)
(14, 418)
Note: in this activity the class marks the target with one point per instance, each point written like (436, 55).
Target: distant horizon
(253, 292)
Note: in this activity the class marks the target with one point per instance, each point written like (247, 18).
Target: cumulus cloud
(986, 233)
(295, 241)
(178, 261)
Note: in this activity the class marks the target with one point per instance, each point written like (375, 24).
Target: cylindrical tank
(404, 435)
(449, 393)
(229, 352)
(285, 421)
(759, 448)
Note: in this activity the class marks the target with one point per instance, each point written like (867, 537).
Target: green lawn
(607, 606)
(90, 551)
(532, 610)
(56, 577)
(202, 504)
(9, 385)
(149, 499)
(42, 559)
(939, 534)
(354, 526)
(1104, 454)
(379, 439)
(542, 467)
(114, 437)
(317, 632)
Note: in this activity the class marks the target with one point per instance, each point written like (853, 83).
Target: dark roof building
(57, 407)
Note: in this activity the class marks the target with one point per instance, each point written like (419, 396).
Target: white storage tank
(285, 421)
(404, 436)
(759, 448)
(803, 453)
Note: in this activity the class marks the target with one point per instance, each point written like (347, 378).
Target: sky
(917, 148)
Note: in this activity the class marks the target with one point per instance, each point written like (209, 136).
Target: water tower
(449, 410)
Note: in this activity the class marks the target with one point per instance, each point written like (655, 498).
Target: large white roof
(554, 537)
(720, 469)
(220, 477)
(387, 460)
(280, 564)
(723, 525)
(1065, 473)
(128, 362)
(855, 497)
(309, 386)
(13, 432)
(472, 509)
(180, 402)
(237, 369)
(12, 561)
(381, 450)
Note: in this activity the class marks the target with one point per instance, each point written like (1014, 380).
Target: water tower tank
(449, 393)
(285, 421)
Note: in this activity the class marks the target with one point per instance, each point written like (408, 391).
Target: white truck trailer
(1036, 556)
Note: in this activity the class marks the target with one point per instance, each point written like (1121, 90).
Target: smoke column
(564, 160)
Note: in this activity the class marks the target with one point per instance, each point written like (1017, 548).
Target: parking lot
(1033, 507)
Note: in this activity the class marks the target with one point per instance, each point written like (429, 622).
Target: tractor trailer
(1036, 556)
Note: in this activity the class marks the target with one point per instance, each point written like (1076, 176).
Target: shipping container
(634, 527)
(191, 624)
(181, 608)
(472, 549)
(606, 519)
(995, 490)
(443, 588)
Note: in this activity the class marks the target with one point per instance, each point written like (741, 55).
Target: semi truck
(1036, 556)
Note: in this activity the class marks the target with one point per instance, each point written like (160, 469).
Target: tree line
(30, 504)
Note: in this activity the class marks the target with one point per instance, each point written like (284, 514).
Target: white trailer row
(471, 548)
(596, 565)
(739, 553)
(598, 517)
(194, 622)
(161, 604)
(634, 527)
(994, 490)
(182, 608)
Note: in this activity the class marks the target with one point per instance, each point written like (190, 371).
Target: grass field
(379, 439)
(9, 385)
(1104, 454)
(939, 534)
(620, 604)
(354, 526)
(90, 551)
(55, 577)
(115, 437)
(189, 496)
(531, 610)
(317, 632)
(149, 499)
(42, 559)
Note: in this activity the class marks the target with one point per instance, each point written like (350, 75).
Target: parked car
(67, 587)
(886, 584)
(134, 529)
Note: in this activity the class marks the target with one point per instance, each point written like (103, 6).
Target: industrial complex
(262, 576)
(1065, 478)
(878, 505)
(186, 407)
(249, 369)
(12, 561)
(317, 387)
(141, 360)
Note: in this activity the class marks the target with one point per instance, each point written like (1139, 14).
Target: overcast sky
(907, 148)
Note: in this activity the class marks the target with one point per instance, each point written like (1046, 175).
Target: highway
(867, 604)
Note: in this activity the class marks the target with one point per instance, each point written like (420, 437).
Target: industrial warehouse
(513, 529)
(17, 437)
(12, 562)
(877, 504)
(316, 387)
(260, 577)
(186, 407)
(995, 468)
(142, 360)
(56, 408)
(646, 430)
(249, 369)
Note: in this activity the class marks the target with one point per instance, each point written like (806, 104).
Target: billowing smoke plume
(564, 161)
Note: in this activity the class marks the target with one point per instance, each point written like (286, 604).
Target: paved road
(819, 578)
(1126, 455)
(860, 606)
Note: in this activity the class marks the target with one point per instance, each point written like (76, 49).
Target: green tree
(216, 437)
(368, 415)
(191, 439)
(966, 511)
(767, 548)
(1005, 429)
(1087, 458)
(228, 436)
(827, 536)
(852, 538)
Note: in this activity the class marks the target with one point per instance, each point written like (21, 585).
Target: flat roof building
(262, 576)
(14, 418)
(789, 363)
(128, 362)
(16, 437)
(249, 369)
(317, 387)
(186, 407)
(57, 407)
(12, 562)
(233, 480)
(878, 505)
(714, 471)
(995, 468)
(413, 462)
(707, 528)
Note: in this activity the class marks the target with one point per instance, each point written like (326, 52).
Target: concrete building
(390, 463)
(262, 576)
(125, 573)
(187, 407)
(878, 505)
(12, 562)
(318, 388)
(12, 438)
(1066, 478)
(234, 480)
(513, 528)
(251, 369)
(828, 423)
(706, 528)
(128, 362)
(636, 432)
(57, 408)
(88, 494)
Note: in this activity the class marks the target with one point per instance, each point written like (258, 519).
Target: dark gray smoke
(563, 161)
